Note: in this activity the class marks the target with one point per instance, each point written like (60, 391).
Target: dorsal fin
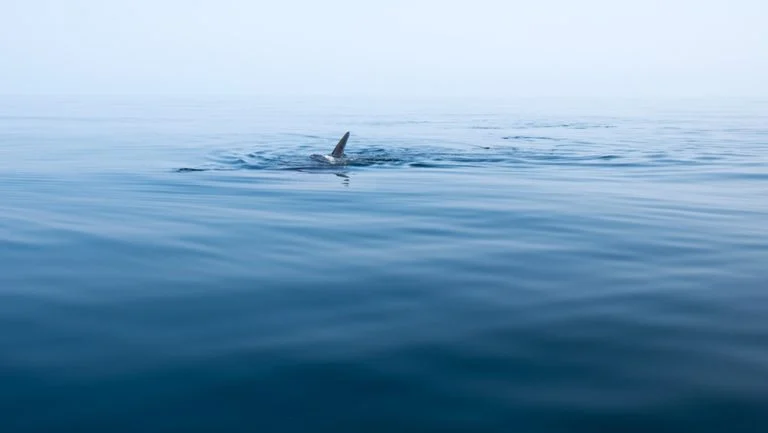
(338, 151)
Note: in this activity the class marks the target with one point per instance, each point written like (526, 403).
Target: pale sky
(388, 47)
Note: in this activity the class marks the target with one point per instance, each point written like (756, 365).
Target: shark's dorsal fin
(338, 151)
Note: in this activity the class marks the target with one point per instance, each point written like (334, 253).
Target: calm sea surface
(182, 265)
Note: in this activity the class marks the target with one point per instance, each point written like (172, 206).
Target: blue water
(182, 265)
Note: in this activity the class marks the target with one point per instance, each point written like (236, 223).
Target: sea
(182, 264)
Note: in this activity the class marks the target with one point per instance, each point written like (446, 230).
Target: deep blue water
(181, 265)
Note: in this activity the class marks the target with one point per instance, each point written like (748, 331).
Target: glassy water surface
(182, 264)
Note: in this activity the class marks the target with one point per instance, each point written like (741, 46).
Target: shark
(336, 157)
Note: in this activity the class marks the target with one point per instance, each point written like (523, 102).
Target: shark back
(338, 151)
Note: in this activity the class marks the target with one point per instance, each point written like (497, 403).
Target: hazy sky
(387, 47)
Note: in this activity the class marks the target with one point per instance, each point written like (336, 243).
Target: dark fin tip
(338, 151)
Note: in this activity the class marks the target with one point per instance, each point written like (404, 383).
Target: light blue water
(482, 266)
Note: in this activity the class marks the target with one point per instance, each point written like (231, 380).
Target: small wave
(484, 127)
(565, 125)
(528, 137)
(427, 165)
(400, 122)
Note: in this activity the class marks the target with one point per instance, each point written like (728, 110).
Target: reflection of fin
(338, 151)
